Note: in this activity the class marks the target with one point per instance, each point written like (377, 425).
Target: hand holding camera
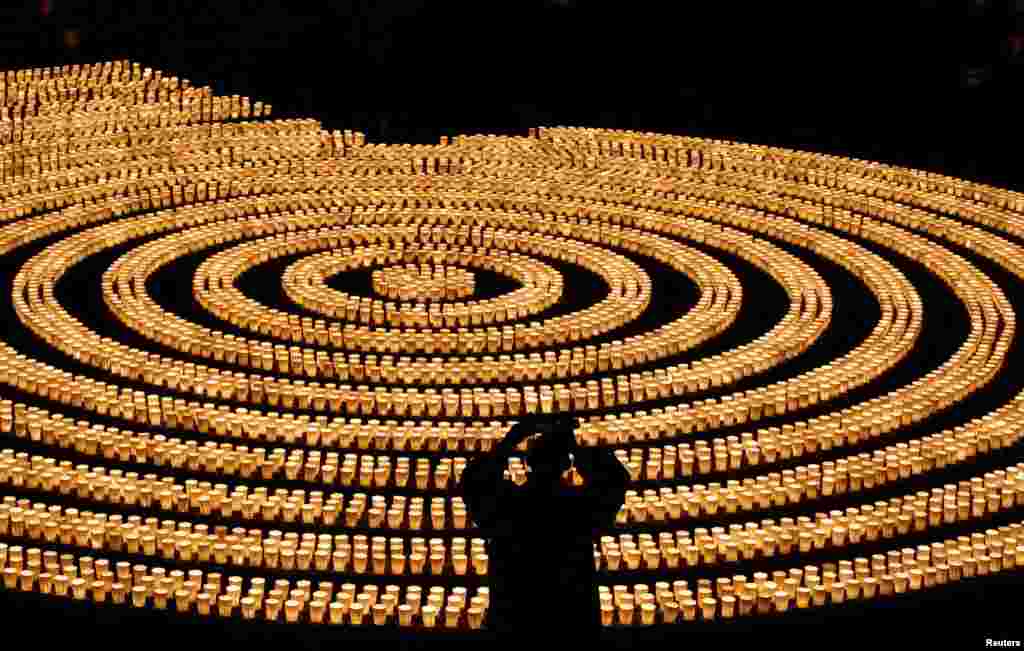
(551, 427)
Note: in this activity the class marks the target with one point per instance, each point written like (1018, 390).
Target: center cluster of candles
(423, 282)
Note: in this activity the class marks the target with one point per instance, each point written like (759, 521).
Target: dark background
(928, 83)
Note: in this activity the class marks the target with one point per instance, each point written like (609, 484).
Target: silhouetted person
(540, 536)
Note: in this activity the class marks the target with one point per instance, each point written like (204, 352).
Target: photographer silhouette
(540, 536)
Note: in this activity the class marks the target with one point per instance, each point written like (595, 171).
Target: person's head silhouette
(549, 454)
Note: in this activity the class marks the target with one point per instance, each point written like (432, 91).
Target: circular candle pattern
(284, 344)
(305, 283)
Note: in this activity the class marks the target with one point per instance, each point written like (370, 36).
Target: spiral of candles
(294, 436)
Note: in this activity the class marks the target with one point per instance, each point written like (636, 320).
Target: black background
(881, 80)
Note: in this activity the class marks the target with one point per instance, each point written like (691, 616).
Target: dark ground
(888, 83)
(885, 81)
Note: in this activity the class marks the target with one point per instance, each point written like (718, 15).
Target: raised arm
(606, 480)
(481, 480)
